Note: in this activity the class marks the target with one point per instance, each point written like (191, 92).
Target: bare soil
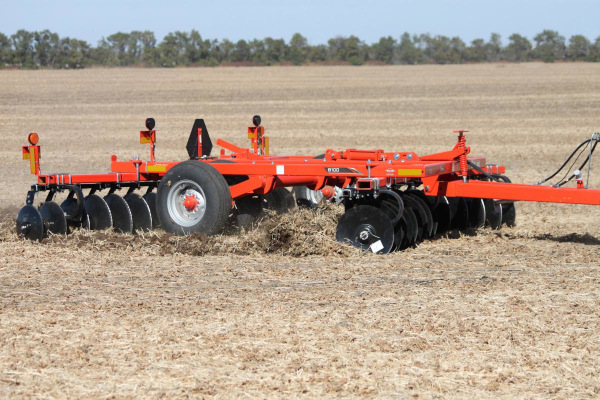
(283, 310)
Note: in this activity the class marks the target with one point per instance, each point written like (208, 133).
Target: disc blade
(412, 226)
(279, 200)
(54, 218)
(493, 214)
(140, 212)
(121, 214)
(425, 210)
(442, 216)
(410, 202)
(509, 214)
(30, 224)
(151, 200)
(98, 212)
(248, 210)
(476, 213)
(367, 228)
(460, 220)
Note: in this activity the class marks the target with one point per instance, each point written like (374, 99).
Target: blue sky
(317, 20)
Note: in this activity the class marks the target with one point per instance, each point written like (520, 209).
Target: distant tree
(477, 52)
(549, 46)
(346, 49)
(298, 49)
(595, 51)
(578, 49)
(241, 52)
(317, 53)
(494, 48)
(275, 50)
(518, 49)
(408, 52)
(257, 51)
(443, 50)
(5, 51)
(23, 49)
(46, 48)
(384, 50)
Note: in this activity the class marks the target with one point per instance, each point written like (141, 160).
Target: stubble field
(496, 314)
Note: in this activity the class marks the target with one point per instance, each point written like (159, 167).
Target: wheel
(193, 197)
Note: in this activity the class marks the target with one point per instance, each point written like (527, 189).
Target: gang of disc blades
(151, 200)
(98, 212)
(121, 214)
(476, 213)
(140, 211)
(390, 207)
(493, 214)
(54, 218)
(30, 224)
(410, 202)
(367, 228)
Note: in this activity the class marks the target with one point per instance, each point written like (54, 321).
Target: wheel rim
(186, 203)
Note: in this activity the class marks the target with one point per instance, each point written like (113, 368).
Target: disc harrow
(392, 200)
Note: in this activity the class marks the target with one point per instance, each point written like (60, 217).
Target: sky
(317, 20)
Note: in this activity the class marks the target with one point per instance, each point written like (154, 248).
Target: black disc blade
(412, 226)
(410, 202)
(98, 212)
(493, 214)
(419, 198)
(367, 228)
(151, 200)
(476, 213)
(140, 211)
(30, 224)
(248, 210)
(442, 215)
(279, 200)
(121, 214)
(54, 218)
(509, 214)
(460, 220)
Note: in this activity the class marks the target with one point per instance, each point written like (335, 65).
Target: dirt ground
(284, 311)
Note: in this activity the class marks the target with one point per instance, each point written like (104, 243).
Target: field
(493, 314)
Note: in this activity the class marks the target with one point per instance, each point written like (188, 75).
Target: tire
(204, 188)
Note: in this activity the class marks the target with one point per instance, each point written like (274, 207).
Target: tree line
(45, 49)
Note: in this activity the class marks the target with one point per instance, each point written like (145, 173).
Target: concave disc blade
(509, 214)
(279, 200)
(442, 216)
(30, 224)
(391, 208)
(428, 228)
(412, 225)
(493, 214)
(151, 200)
(54, 218)
(367, 228)
(410, 202)
(121, 214)
(142, 217)
(248, 210)
(98, 212)
(476, 213)
(460, 220)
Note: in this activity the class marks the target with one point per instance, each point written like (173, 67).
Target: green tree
(258, 53)
(346, 49)
(494, 48)
(444, 50)
(275, 50)
(22, 42)
(384, 50)
(408, 52)
(241, 52)
(477, 52)
(317, 53)
(549, 46)
(595, 51)
(5, 51)
(298, 49)
(578, 49)
(518, 49)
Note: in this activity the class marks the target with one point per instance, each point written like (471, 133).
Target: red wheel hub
(190, 202)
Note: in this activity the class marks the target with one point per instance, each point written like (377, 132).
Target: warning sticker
(280, 170)
(377, 246)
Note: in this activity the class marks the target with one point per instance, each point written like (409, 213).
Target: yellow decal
(156, 168)
(410, 172)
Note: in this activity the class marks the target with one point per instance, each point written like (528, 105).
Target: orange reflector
(33, 138)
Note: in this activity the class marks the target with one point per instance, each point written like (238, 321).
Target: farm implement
(392, 200)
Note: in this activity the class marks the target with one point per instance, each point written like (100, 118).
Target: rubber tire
(216, 191)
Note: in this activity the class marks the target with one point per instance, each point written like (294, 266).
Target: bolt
(364, 235)
(427, 188)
